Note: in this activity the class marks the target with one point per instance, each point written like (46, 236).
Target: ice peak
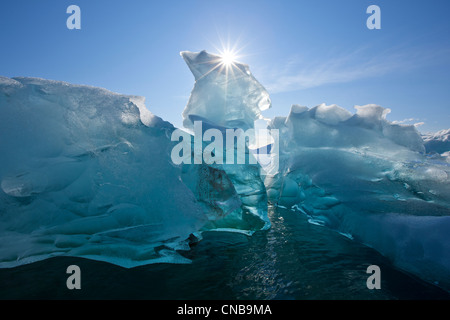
(203, 63)
(225, 92)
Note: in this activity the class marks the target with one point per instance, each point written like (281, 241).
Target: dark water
(292, 260)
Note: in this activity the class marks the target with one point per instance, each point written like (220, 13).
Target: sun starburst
(228, 58)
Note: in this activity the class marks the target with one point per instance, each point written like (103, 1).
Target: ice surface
(227, 95)
(369, 178)
(87, 172)
(331, 114)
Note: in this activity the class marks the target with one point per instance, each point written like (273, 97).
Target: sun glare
(228, 58)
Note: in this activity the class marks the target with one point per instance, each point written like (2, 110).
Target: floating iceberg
(369, 178)
(228, 97)
(86, 172)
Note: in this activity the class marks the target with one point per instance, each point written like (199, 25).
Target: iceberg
(368, 178)
(225, 95)
(86, 172)
(228, 97)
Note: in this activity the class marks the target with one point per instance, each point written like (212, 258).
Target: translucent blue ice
(86, 172)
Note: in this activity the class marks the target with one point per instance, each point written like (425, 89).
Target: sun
(228, 58)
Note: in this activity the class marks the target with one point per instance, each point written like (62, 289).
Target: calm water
(292, 260)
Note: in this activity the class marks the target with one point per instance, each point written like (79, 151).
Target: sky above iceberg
(303, 52)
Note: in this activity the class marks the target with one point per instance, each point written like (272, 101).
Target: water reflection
(294, 259)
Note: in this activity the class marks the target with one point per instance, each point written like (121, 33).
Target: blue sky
(304, 52)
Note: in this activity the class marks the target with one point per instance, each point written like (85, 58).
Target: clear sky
(303, 51)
